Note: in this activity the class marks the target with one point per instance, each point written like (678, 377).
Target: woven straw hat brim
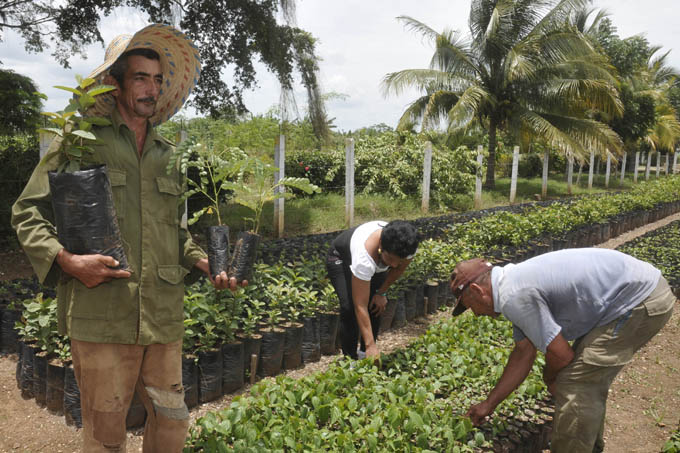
(180, 63)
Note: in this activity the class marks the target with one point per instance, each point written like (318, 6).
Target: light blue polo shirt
(570, 291)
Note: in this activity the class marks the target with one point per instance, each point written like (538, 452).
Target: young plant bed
(661, 248)
(415, 399)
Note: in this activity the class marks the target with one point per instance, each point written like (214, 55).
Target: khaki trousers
(583, 385)
(109, 374)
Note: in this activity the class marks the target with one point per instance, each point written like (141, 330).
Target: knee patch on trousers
(169, 403)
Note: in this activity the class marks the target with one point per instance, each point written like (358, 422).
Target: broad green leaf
(85, 134)
(101, 89)
(72, 90)
(52, 130)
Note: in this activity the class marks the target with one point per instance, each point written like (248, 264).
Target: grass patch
(325, 212)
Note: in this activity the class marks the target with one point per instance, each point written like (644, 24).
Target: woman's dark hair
(400, 238)
(119, 67)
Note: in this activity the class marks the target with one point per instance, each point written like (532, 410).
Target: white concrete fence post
(623, 167)
(513, 179)
(349, 182)
(45, 140)
(478, 183)
(280, 164)
(608, 170)
(427, 174)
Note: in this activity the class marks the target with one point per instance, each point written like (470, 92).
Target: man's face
(141, 86)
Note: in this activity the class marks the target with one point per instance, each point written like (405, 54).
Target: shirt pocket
(118, 180)
(170, 294)
(170, 191)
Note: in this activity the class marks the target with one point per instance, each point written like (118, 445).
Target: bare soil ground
(643, 407)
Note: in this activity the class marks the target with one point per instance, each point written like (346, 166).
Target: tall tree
(646, 89)
(20, 112)
(230, 35)
(524, 67)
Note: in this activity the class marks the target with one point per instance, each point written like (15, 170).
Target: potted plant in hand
(217, 170)
(82, 200)
(253, 193)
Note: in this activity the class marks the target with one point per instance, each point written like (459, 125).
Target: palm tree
(524, 67)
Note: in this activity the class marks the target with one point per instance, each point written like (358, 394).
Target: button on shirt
(569, 291)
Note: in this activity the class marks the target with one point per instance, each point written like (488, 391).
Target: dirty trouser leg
(160, 388)
(583, 385)
(106, 376)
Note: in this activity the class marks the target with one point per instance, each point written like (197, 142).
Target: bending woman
(362, 264)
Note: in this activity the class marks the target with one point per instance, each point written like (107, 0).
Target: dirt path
(644, 402)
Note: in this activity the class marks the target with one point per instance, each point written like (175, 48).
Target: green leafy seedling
(74, 132)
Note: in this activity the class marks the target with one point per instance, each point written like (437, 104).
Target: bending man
(609, 303)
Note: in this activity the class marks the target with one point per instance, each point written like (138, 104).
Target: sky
(359, 42)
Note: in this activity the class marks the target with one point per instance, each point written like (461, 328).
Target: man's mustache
(149, 99)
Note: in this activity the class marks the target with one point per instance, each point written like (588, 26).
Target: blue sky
(360, 41)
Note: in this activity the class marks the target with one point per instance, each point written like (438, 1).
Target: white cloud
(360, 42)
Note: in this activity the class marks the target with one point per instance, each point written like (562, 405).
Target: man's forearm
(516, 370)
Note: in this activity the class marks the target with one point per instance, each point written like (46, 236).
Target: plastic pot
(232, 367)
(218, 249)
(85, 215)
(243, 257)
(292, 346)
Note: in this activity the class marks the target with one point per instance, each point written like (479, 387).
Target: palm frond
(419, 27)
(469, 103)
(396, 82)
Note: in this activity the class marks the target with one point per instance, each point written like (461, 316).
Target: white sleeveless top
(363, 267)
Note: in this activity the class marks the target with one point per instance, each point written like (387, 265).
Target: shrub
(19, 154)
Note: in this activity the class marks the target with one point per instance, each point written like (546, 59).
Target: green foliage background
(18, 156)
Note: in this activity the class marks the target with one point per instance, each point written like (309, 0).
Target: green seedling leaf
(84, 83)
(72, 90)
(52, 130)
(85, 134)
(101, 89)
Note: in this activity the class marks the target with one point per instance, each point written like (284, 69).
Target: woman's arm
(360, 293)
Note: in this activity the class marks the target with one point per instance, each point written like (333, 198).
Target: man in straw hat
(125, 327)
(610, 303)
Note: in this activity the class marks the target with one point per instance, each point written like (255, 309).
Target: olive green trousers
(583, 385)
(108, 376)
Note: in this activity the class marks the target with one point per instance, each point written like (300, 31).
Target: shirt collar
(117, 121)
(497, 274)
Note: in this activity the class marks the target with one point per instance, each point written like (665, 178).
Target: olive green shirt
(147, 307)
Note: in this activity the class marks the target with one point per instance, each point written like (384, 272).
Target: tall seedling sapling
(253, 193)
(82, 199)
(217, 171)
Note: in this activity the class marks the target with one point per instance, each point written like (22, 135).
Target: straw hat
(180, 63)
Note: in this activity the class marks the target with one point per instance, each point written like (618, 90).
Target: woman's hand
(378, 304)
